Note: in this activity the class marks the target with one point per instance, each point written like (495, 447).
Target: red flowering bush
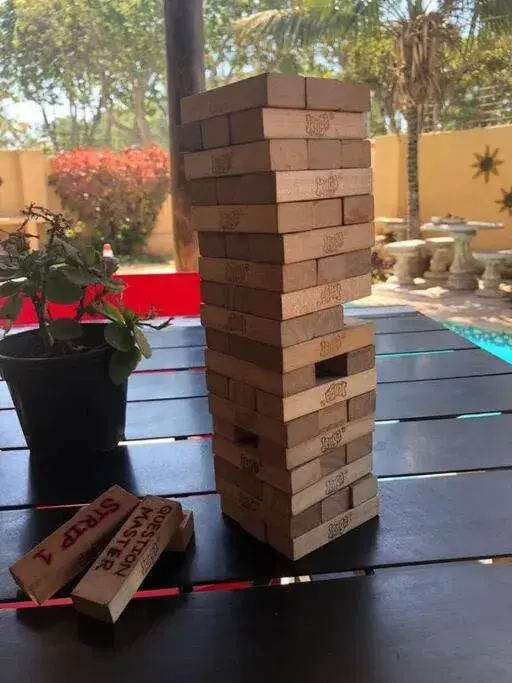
(116, 195)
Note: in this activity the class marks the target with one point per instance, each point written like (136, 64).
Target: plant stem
(40, 307)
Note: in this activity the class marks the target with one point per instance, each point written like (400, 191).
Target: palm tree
(421, 31)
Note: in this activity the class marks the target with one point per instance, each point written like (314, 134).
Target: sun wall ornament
(505, 201)
(486, 163)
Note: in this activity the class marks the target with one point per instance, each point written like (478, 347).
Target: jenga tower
(280, 182)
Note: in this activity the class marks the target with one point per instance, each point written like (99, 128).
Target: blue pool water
(497, 343)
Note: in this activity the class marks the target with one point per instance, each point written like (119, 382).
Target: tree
(409, 42)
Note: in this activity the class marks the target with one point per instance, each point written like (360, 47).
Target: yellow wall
(25, 180)
(446, 179)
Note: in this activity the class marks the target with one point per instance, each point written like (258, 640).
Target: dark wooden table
(444, 408)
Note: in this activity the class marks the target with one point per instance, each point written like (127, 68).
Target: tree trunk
(413, 194)
(185, 76)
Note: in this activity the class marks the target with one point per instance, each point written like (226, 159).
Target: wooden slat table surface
(445, 408)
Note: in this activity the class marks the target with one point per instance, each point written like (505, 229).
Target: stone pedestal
(462, 271)
(491, 277)
(441, 251)
(406, 254)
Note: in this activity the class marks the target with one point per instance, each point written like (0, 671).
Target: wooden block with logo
(268, 218)
(355, 436)
(325, 394)
(255, 376)
(363, 490)
(255, 157)
(108, 586)
(295, 548)
(341, 266)
(181, 539)
(266, 90)
(291, 505)
(260, 124)
(278, 278)
(358, 209)
(68, 550)
(331, 94)
(290, 186)
(356, 154)
(273, 332)
(278, 306)
(214, 132)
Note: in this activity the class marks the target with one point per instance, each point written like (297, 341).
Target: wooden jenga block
(214, 133)
(266, 90)
(360, 447)
(363, 490)
(247, 457)
(278, 306)
(331, 94)
(356, 334)
(361, 360)
(296, 548)
(361, 405)
(278, 278)
(335, 505)
(288, 186)
(108, 586)
(190, 137)
(181, 539)
(358, 209)
(259, 124)
(60, 557)
(273, 332)
(356, 154)
(212, 244)
(217, 384)
(240, 509)
(255, 157)
(330, 462)
(324, 154)
(268, 218)
(343, 266)
(255, 376)
(324, 394)
(291, 505)
(242, 479)
(356, 436)
(202, 192)
(242, 394)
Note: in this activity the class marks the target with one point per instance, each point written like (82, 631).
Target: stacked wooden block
(280, 182)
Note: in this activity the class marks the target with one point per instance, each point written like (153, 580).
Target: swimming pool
(493, 341)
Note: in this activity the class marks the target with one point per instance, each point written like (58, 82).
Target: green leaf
(143, 343)
(114, 286)
(110, 311)
(65, 328)
(119, 336)
(79, 277)
(122, 364)
(60, 290)
(90, 256)
(12, 307)
(10, 287)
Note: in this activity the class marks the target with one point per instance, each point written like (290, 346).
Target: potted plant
(67, 378)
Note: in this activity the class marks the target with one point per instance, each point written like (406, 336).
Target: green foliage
(66, 272)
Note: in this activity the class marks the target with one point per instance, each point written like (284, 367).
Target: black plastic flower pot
(65, 403)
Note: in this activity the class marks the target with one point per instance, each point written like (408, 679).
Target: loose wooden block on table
(181, 539)
(358, 209)
(273, 332)
(108, 586)
(279, 306)
(326, 393)
(255, 157)
(60, 557)
(332, 94)
(268, 218)
(355, 335)
(295, 548)
(286, 186)
(214, 132)
(279, 278)
(266, 90)
(260, 124)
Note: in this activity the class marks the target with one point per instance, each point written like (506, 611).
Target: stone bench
(407, 254)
